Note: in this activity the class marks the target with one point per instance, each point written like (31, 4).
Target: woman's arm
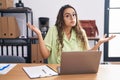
(102, 40)
(43, 49)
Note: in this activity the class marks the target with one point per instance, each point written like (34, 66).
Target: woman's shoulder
(53, 28)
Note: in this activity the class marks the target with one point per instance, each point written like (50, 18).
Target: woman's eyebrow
(69, 13)
(66, 13)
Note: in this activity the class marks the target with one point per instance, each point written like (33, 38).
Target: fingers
(30, 26)
(105, 35)
(112, 36)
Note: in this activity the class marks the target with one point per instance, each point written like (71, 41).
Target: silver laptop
(79, 62)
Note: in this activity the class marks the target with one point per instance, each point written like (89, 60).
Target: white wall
(86, 9)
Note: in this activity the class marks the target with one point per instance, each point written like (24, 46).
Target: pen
(44, 71)
(4, 67)
(48, 74)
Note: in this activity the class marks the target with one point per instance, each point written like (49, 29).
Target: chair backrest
(12, 59)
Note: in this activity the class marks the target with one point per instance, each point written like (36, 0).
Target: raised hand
(105, 39)
(33, 28)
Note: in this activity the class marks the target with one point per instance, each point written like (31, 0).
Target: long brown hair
(60, 26)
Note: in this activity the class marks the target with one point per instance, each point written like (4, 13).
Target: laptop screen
(80, 62)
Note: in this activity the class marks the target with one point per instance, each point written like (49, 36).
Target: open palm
(105, 39)
(33, 28)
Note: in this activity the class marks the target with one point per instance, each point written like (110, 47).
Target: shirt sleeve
(49, 38)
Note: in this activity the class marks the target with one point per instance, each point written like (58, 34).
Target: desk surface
(105, 72)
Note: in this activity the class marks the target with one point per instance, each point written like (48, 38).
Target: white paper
(7, 69)
(39, 71)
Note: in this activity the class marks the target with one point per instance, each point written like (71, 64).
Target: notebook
(39, 71)
(79, 62)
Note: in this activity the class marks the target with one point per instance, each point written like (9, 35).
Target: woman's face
(69, 17)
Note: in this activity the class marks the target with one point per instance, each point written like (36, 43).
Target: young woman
(66, 35)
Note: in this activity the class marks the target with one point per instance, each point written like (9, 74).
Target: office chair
(12, 59)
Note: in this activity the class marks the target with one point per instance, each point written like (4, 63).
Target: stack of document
(5, 68)
(39, 71)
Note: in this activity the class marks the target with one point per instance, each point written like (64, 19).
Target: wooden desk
(105, 72)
